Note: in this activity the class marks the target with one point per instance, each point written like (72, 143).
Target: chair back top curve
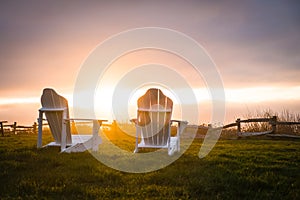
(50, 99)
(153, 117)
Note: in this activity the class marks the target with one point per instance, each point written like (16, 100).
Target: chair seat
(173, 141)
(75, 139)
(171, 149)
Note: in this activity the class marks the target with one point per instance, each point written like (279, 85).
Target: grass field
(254, 168)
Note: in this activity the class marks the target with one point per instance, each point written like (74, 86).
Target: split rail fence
(14, 128)
(273, 122)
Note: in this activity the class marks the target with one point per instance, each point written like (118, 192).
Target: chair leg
(172, 147)
(171, 150)
(178, 145)
(136, 150)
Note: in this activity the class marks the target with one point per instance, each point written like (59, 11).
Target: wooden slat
(53, 109)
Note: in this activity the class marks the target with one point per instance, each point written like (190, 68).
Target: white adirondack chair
(153, 123)
(56, 109)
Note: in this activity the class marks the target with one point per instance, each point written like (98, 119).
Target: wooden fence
(272, 121)
(14, 128)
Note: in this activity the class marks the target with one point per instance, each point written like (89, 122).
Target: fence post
(14, 128)
(2, 131)
(274, 123)
(238, 122)
(34, 127)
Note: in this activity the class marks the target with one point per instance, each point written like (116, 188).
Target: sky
(255, 46)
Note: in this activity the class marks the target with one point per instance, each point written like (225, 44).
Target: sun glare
(104, 105)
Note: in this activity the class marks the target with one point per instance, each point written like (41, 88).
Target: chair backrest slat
(50, 99)
(154, 115)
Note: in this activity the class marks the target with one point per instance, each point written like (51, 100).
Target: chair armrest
(85, 119)
(180, 122)
(181, 126)
(100, 121)
(52, 109)
(135, 121)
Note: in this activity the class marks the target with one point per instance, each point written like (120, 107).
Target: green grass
(235, 169)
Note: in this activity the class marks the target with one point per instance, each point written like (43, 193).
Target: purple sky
(254, 44)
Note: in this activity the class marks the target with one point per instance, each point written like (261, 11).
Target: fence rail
(272, 121)
(17, 128)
